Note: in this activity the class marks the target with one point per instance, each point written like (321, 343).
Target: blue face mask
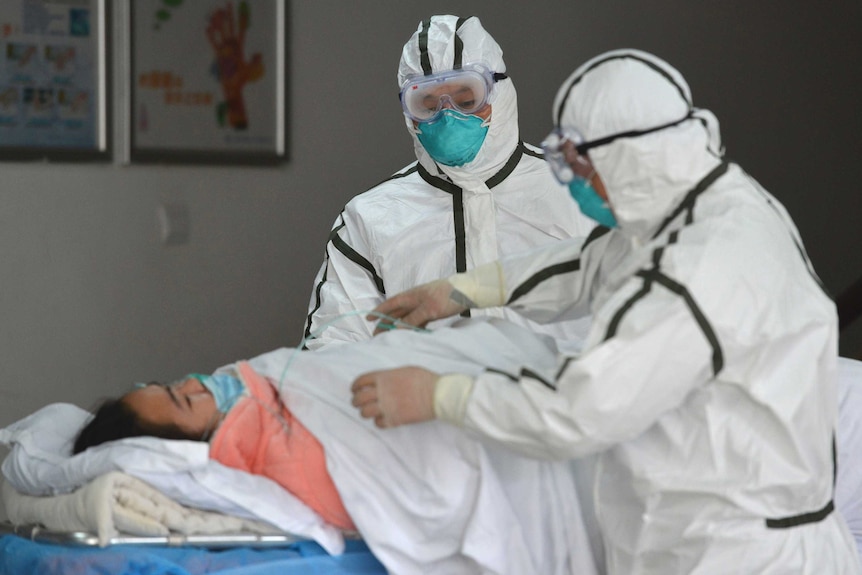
(591, 204)
(454, 139)
(226, 389)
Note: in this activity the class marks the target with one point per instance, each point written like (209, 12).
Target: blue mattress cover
(19, 555)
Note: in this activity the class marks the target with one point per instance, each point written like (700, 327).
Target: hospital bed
(428, 498)
(190, 516)
(452, 495)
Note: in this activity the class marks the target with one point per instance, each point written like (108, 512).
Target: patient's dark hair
(114, 419)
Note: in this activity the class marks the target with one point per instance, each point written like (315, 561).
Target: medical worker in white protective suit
(476, 192)
(708, 377)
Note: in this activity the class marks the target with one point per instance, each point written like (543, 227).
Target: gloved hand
(396, 396)
(421, 304)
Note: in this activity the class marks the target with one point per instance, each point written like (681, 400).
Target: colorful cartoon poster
(207, 79)
(52, 75)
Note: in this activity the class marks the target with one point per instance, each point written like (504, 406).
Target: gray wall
(91, 300)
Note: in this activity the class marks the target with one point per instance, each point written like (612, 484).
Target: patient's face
(186, 404)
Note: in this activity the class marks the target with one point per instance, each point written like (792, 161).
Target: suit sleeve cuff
(451, 395)
(483, 285)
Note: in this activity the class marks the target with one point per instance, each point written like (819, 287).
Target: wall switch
(174, 223)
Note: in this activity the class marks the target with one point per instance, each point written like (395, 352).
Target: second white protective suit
(708, 379)
(431, 220)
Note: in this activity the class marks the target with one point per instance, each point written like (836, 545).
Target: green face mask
(454, 139)
(591, 204)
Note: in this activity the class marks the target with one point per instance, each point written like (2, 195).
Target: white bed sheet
(432, 498)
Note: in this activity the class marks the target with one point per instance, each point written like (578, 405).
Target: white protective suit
(429, 220)
(707, 381)
(849, 484)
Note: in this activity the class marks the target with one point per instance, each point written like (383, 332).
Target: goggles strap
(582, 148)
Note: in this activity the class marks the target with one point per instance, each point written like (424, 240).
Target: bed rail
(84, 539)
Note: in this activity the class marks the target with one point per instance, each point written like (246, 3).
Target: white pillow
(40, 461)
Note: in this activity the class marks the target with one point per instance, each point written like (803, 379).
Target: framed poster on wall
(207, 82)
(53, 80)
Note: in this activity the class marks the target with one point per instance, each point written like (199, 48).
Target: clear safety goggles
(466, 89)
(563, 153)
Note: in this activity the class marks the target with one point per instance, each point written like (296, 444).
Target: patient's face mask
(225, 389)
(454, 138)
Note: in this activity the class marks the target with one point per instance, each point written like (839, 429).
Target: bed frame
(36, 550)
(85, 539)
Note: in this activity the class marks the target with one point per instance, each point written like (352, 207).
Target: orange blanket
(253, 438)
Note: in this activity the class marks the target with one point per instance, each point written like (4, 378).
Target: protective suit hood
(645, 176)
(447, 42)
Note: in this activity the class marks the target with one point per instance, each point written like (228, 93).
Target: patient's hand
(396, 396)
(419, 305)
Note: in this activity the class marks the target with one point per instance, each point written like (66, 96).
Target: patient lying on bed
(253, 431)
(425, 498)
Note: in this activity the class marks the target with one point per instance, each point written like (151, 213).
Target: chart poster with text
(52, 75)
